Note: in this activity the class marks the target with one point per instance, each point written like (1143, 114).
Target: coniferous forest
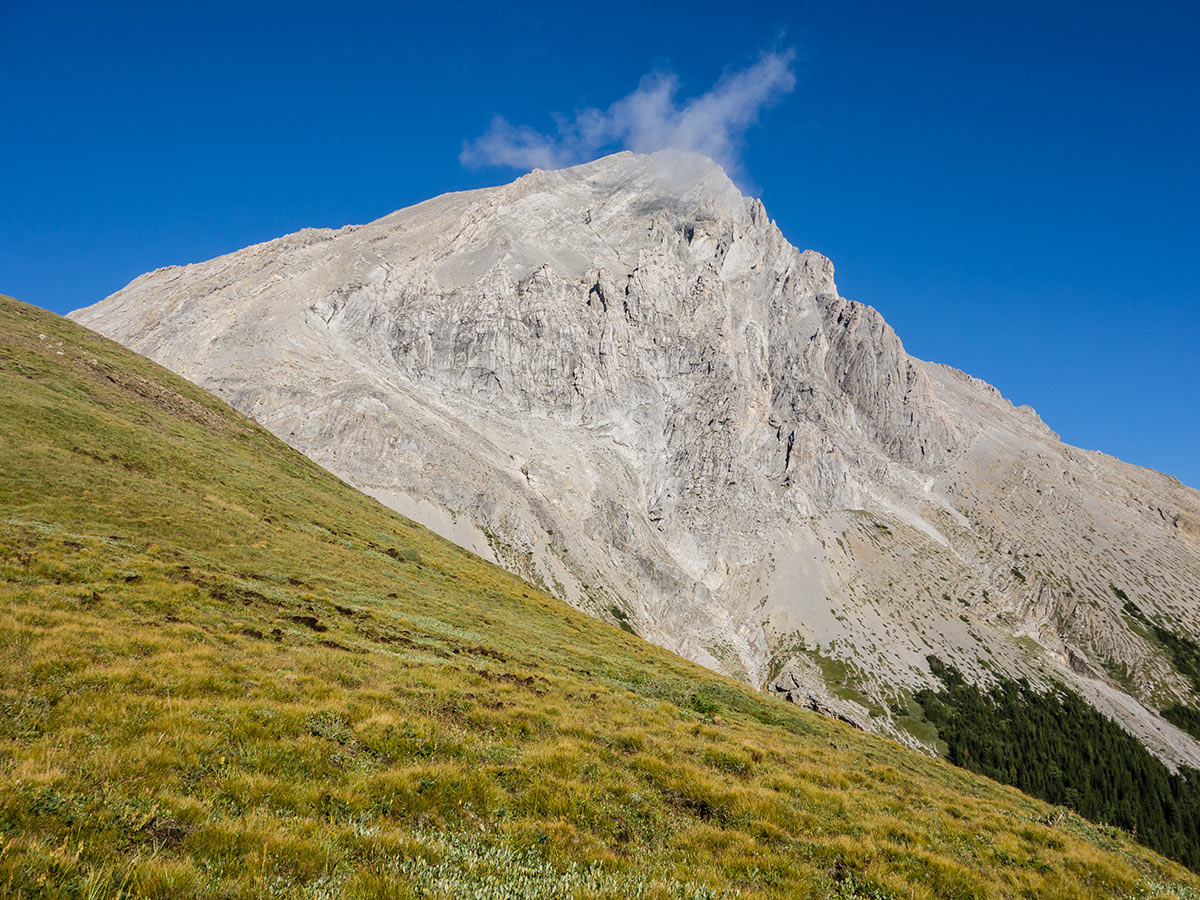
(1055, 746)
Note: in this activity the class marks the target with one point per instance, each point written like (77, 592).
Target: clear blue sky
(1014, 185)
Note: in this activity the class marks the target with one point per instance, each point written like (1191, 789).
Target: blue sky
(1013, 185)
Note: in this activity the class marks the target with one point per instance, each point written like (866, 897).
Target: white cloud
(649, 119)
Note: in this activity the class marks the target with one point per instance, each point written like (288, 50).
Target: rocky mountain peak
(675, 180)
(622, 382)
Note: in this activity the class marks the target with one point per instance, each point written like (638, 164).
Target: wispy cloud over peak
(651, 118)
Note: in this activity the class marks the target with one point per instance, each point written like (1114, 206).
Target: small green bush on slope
(224, 673)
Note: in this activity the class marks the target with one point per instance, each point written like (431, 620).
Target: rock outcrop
(621, 381)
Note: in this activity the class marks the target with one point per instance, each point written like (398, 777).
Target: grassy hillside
(224, 673)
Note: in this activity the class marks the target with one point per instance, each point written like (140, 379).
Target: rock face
(621, 381)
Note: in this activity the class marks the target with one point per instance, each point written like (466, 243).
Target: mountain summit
(620, 381)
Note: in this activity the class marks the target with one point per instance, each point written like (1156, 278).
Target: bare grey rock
(620, 381)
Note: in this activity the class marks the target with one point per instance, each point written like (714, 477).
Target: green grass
(226, 674)
(843, 679)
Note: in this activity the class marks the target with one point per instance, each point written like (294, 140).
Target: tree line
(1056, 746)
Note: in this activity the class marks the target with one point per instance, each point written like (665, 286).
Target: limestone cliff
(621, 381)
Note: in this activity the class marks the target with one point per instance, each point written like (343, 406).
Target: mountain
(224, 672)
(621, 382)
